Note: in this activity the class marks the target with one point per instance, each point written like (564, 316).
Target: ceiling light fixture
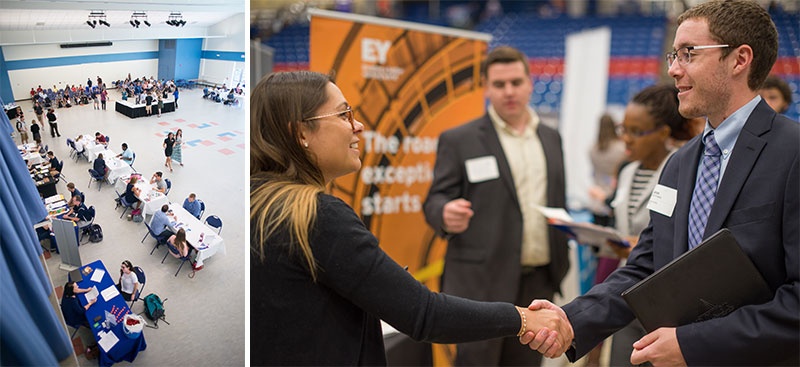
(97, 17)
(135, 19)
(175, 19)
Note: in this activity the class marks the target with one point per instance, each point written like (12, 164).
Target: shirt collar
(727, 132)
(500, 124)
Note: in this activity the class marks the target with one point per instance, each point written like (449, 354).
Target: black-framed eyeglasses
(347, 115)
(684, 54)
(637, 133)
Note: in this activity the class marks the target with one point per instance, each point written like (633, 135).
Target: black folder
(709, 281)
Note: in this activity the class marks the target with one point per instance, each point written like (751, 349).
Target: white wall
(23, 79)
(222, 71)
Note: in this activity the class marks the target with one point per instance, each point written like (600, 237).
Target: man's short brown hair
(504, 55)
(741, 22)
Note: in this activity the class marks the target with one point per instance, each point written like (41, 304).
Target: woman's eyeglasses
(347, 115)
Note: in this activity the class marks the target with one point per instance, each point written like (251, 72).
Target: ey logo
(374, 50)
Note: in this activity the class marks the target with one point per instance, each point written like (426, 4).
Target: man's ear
(743, 59)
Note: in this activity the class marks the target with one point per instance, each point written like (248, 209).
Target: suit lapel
(491, 142)
(743, 158)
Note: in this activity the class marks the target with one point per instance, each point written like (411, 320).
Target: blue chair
(140, 276)
(133, 160)
(214, 222)
(169, 186)
(174, 250)
(125, 204)
(80, 154)
(202, 208)
(159, 239)
(97, 177)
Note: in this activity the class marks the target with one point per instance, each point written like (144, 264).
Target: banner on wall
(407, 83)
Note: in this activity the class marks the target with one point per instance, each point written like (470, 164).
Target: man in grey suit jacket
(724, 51)
(489, 175)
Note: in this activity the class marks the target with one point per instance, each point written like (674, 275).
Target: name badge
(662, 200)
(482, 169)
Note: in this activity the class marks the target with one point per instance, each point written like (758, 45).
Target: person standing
(103, 98)
(745, 167)
(148, 103)
(176, 94)
(177, 149)
(489, 175)
(51, 119)
(37, 136)
(160, 105)
(169, 143)
(22, 129)
(39, 112)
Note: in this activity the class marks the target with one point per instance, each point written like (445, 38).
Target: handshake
(547, 329)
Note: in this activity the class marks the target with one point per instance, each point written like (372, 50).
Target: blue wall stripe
(223, 55)
(5, 81)
(77, 60)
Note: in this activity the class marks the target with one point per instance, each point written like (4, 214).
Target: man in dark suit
(488, 178)
(723, 52)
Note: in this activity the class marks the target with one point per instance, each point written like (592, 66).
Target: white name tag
(662, 200)
(482, 169)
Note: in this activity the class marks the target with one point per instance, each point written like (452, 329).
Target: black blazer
(757, 200)
(484, 261)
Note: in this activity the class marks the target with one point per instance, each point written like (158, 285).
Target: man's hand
(660, 348)
(456, 215)
(550, 347)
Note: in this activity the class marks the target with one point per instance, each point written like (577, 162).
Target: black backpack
(95, 233)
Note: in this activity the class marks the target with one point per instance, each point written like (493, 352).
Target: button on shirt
(526, 160)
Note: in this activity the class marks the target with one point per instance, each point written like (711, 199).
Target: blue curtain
(30, 330)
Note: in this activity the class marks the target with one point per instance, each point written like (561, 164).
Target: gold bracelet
(522, 316)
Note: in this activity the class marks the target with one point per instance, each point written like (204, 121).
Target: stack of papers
(107, 340)
(584, 233)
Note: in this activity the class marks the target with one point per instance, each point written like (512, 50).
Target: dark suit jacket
(483, 262)
(758, 201)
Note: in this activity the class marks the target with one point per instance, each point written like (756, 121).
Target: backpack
(95, 233)
(153, 307)
(136, 215)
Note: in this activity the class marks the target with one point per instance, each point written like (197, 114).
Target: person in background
(128, 283)
(500, 247)
(177, 148)
(741, 173)
(22, 129)
(55, 164)
(80, 144)
(178, 240)
(99, 138)
(78, 213)
(52, 120)
(132, 193)
(126, 155)
(777, 93)
(39, 112)
(103, 98)
(160, 105)
(160, 223)
(73, 190)
(192, 205)
(176, 93)
(158, 180)
(75, 313)
(168, 144)
(99, 165)
(35, 131)
(315, 265)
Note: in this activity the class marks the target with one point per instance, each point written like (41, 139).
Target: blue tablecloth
(126, 349)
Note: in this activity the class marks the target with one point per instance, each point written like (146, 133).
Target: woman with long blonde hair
(319, 282)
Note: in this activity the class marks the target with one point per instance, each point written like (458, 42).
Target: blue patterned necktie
(704, 190)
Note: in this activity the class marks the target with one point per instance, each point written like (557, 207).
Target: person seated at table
(55, 164)
(128, 282)
(192, 205)
(99, 165)
(158, 180)
(78, 212)
(132, 192)
(45, 233)
(126, 155)
(74, 312)
(99, 138)
(161, 222)
(75, 192)
(80, 144)
(179, 241)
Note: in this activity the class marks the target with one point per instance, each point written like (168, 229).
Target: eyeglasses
(637, 133)
(346, 114)
(684, 54)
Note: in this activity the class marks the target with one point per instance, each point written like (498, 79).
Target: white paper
(107, 341)
(98, 275)
(482, 169)
(663, 200)
(555, 213)
(91, 294)
(110, 293)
